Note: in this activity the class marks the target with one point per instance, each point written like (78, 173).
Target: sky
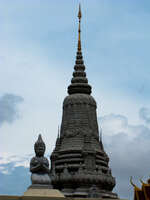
(38, 43)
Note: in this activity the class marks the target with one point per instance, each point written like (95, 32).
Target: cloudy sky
(38, 41)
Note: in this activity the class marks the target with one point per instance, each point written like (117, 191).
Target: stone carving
(39, 165)
(80, 163)
(93, 192)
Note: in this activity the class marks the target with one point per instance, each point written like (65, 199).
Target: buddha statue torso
(39, 165)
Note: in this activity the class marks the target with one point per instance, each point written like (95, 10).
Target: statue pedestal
(42, 191)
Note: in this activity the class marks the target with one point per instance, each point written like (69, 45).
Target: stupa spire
(79, 161)
(79, 82)
(79, 28)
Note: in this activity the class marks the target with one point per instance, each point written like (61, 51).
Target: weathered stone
(39, 166)
(39, 192)
(79, 163)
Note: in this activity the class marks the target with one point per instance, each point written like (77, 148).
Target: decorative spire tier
(79, 82)
(79, 164)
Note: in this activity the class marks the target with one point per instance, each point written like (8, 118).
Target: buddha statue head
(39, 147)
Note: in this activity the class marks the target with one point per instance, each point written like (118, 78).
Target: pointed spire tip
(79, 12)
(79, 30)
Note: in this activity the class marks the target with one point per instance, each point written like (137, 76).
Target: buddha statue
(39, 165)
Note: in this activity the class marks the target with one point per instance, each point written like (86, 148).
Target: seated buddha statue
(39, 165)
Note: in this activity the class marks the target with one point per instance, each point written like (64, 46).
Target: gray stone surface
(39, 166)
(79, 164)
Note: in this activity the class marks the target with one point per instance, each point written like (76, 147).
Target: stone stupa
(79, 163)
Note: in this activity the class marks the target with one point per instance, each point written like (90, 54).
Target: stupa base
(85, 193)
(42, 191)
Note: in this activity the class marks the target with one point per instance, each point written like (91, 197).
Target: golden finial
(79, 30)
(79, 13)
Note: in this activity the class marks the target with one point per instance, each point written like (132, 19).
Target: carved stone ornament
(79, 164)
(39, 165)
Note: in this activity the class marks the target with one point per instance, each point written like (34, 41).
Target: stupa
(79, 164)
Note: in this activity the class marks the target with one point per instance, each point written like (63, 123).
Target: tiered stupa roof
(79, 164)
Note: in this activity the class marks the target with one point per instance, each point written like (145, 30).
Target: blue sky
(38, 41)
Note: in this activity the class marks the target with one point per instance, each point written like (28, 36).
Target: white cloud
(3, 170)
(14, 160)
(113, 124)
(24, 163)
(128, 148)
(144, 114)
(17, 160)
